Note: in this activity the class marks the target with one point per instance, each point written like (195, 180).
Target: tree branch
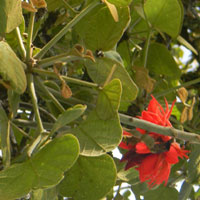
(170, 131)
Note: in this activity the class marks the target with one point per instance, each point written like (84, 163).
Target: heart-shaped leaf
(99, 31)
(165, 15)
(44, 169)
(100, 70)
(101, 131)
(90, 178)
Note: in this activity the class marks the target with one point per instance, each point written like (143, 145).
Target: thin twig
(57, 37)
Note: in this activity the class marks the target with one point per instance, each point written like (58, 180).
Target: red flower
(153, 166)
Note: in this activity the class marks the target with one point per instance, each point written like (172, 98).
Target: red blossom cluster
(154, 167)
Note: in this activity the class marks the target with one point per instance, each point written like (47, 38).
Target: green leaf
(187, 44)
(194, 164)
(5, 137)
(90, 178)
(12, 69)
(164, 193)
(165, 15)
(100, 70)
(68, 116)
(44, 169)
(99, 31)
(161, 62)
(109, 99)
(101, 131)
(13, 99)
(48, 194)
(131, 176)
(10, 15)
(53, 5)
(120, 2)
(186, 189)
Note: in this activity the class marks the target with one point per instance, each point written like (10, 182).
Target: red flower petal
(171, 156)
(123, 145)
(142, 148)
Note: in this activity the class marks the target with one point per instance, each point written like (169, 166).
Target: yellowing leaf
(112, 10)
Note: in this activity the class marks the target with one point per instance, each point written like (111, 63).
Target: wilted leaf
(142, 79)
(65, 90)
(39, 3)
(184, 114)
(44, 169)
(90, 178)
(183, 94)
(12, 69)
(28, 7)
(190, 113)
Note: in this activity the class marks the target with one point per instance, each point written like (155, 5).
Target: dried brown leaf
(184, 114)
(183, 94)
(143, 80)
(28, 7)
(190, 113)
(39, 3)
(65, 90)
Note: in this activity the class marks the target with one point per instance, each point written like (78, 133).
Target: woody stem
(169, 131)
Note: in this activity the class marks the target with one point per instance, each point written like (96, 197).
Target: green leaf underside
(90, 178)
(194, 165)
(45, 169)
(100, 70)
(5, 137)
(185, 191)
(99, 31)
(165, 15)
(68, 116)
(47, 194)
(161, 62)
(101, 131)
(12, 69)
(164, 193)
(10, 15)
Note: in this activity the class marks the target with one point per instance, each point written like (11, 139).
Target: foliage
(72, 73)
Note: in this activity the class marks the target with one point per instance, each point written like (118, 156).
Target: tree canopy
(82, 78)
